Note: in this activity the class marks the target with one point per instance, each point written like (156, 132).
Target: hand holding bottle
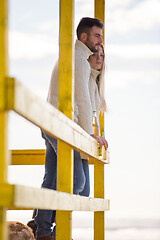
(100, 139)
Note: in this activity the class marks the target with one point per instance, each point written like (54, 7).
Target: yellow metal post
(3, 113)
(65, 94)
(99, 223)
(99, 12)
(99, 218)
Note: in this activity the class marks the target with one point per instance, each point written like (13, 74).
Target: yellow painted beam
(35, 157)
(64, 168)
(12, 94)
(65, 105)
(99, 226)
(99, 9)
(3, 50)
(19, 208)
(7, 195)
(99, 221)
(99, 12)
(6, 200)
(3, 74)
(3, 225)
(4, 155)
(28, 157)
(99, 180)
(3, 113)
(66, 70)
(63, 225)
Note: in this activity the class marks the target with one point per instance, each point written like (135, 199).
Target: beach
(116, 229)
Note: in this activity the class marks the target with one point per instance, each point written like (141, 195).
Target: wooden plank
(3, 50)
(3, 74)
(6, 195)
(3, 113)
(30, 106)
(21, 197)
(28, 157)
(50, 199)
(3, 225)
(65, 105)
(65, 64)
(99, 220)
(99, 225)
(6, 199)
(99, 11)
(64, 168)
(64, 184)
(35, 157)
(4, 154)
(99, 180)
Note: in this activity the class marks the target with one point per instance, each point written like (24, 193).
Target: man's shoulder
(80, 58)
(78, 53)
(82, 49)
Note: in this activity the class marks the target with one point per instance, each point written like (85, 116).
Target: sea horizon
(117, 228)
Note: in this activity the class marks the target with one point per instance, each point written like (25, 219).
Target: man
(89, 34)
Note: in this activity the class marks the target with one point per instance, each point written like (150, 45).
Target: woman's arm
(101, 140)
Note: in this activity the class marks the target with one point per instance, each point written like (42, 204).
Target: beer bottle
(104, 152)
(96, 129)
(95, 124)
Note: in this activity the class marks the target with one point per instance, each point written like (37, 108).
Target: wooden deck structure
(14, 96)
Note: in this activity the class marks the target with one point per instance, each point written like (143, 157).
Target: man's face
(94, 38)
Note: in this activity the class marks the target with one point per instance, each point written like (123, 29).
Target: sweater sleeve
(53, 87)
(82, 95)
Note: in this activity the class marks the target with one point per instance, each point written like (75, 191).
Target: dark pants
(81, 184)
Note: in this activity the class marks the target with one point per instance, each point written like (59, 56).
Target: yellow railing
(58, 123)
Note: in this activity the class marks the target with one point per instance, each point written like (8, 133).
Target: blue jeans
(81, 183)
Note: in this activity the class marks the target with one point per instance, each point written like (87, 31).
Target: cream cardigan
(94, 94)
(86, 91)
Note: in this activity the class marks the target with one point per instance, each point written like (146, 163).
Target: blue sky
(132, 92)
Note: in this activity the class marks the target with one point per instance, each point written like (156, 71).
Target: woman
(96, 82)
(81, 168)
(96, 85)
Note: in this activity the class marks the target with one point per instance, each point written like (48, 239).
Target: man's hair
(86, 24)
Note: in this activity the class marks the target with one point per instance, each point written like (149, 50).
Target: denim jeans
(81, 183)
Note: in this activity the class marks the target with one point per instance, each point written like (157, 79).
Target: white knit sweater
(93, 90)
(86, 91)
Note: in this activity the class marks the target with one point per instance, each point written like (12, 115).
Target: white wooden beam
(29, 197)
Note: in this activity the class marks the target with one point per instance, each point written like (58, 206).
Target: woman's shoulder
(94, 74)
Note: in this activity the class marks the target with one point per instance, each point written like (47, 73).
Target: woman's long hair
(101, 85)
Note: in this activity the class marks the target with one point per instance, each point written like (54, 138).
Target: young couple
(89, 97)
